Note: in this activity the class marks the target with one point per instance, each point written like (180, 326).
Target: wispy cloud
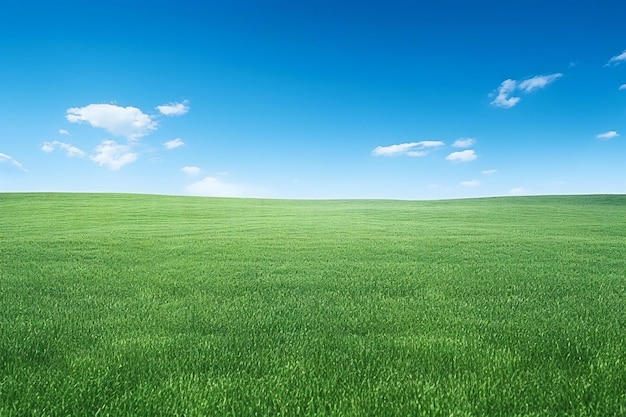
(503, 99)
(191, 170)
(607, 135)
(504, 94)
(538, 82)
(414, 149)
(70, 150)
(488, 172)
(617, 59)
(622, 87)
(13, 162)
(517, 191)
(174, 109)
(464, 142)
(63, 132)
(470, 183)
(129, 122)
(113, 155)
(215, 187)
(174, 143)
(462, 156)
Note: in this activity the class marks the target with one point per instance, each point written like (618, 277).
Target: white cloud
(517, 191)
(622, 87)
(488, 172)
(462, 156)
(504, 91)
(464, 142)
(430, 143)
(414, 149)
(470, 183)
(504, 94)
(191, 170)
(63, 132)
(129, 122)
(607, 135)
(214, 187)
(113, 155)
(538, 82)
(174, 109)
(617, 59)
(174, 143)
(71, 151)
(9, 159)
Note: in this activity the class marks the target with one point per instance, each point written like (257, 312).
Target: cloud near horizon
(214, 187)
(413, 149)
(504, 94)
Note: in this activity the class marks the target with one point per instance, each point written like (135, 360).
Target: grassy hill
(154, 305)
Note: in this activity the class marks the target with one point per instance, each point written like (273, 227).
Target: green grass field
(128, 305)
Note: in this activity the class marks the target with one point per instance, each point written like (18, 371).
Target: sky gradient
(314, 99)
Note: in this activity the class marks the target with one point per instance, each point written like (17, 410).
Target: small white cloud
(488, 172)
(174, 109)
(517, 191)
(464, 142)
(462, 156)
(63, 132)
(214, 187)
(622, 87)
(607, 135)
(113, 155)
(503, 98)
(537, 82)
(174, 143)
(10, 160)
(70, 150)
(414, 149)
(617, 59)
(470, 183)
(128, 122)
(190, 170)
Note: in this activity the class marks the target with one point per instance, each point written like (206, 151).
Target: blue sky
(314, 99)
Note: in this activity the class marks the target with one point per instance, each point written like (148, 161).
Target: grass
(151, 305)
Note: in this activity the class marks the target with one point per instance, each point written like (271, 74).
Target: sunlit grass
(151, 305)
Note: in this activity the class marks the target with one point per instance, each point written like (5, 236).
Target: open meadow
(141, 305)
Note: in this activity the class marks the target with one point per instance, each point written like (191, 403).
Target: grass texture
(129, 305)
